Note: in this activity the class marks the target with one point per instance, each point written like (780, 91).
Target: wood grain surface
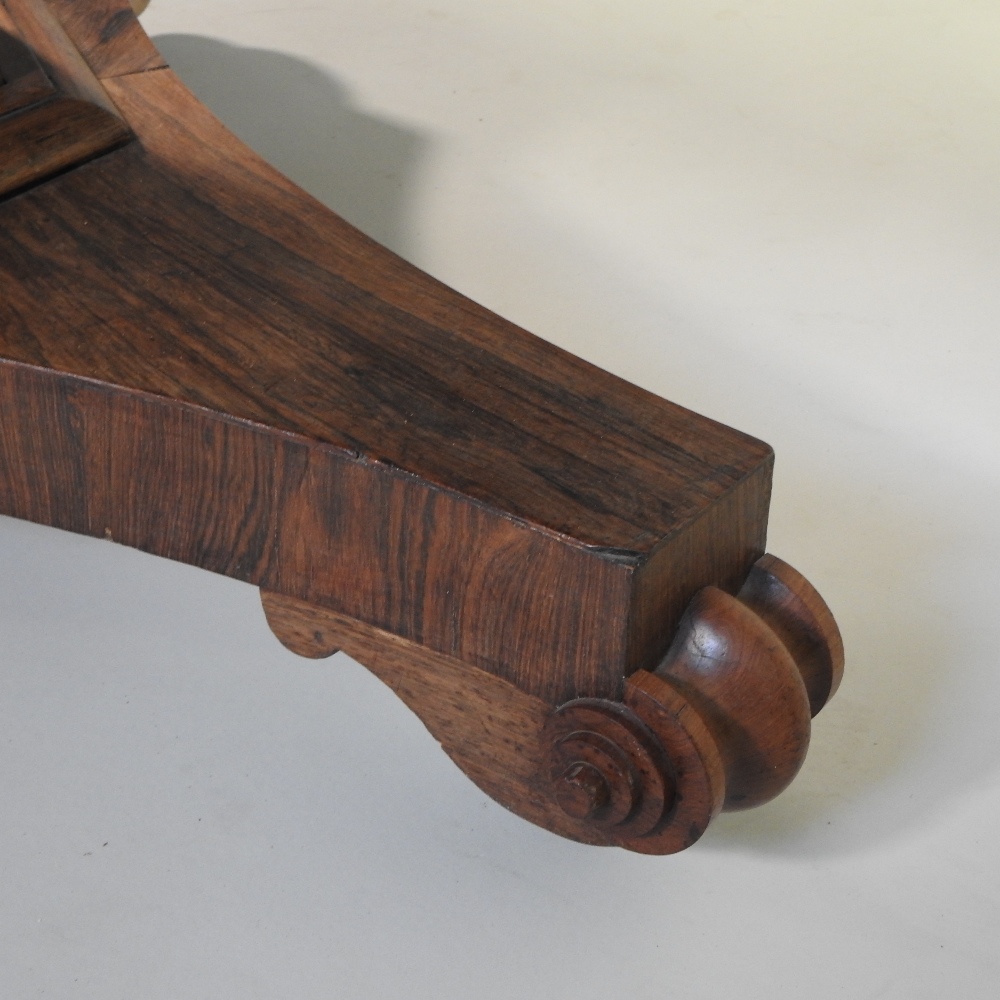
(108, 35)
(502, 738)
(54, 113)
(200, 361)
(723, 722)
(426, 466)
(23, 82)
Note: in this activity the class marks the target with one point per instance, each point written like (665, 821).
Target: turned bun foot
(795, 612)
(742, 681)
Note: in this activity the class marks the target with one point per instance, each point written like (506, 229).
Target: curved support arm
(561, 573)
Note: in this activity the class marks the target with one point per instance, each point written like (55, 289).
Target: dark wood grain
(464, 483)
(488, 726)
(54, 113)
(503, 739)
(260, 303)
(723, 722)
(22, 80)
(200, 361)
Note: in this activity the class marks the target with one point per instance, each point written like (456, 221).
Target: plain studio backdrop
(784, 215)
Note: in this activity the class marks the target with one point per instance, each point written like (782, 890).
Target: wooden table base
(561, 574)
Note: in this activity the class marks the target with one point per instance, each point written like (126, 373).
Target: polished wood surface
(54, 113)
(722, 723)
(496, 462)
(202, 362)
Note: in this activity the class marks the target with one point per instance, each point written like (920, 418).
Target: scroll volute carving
(722, 723)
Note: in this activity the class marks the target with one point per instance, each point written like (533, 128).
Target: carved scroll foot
(201, 362)
(722, 723)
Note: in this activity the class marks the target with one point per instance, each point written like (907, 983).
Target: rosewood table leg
(561, 574)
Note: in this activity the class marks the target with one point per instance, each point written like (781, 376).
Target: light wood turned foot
(722, 722)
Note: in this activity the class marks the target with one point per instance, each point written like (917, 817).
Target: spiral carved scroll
(722, 723)
(608, 768)
(644, 773)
